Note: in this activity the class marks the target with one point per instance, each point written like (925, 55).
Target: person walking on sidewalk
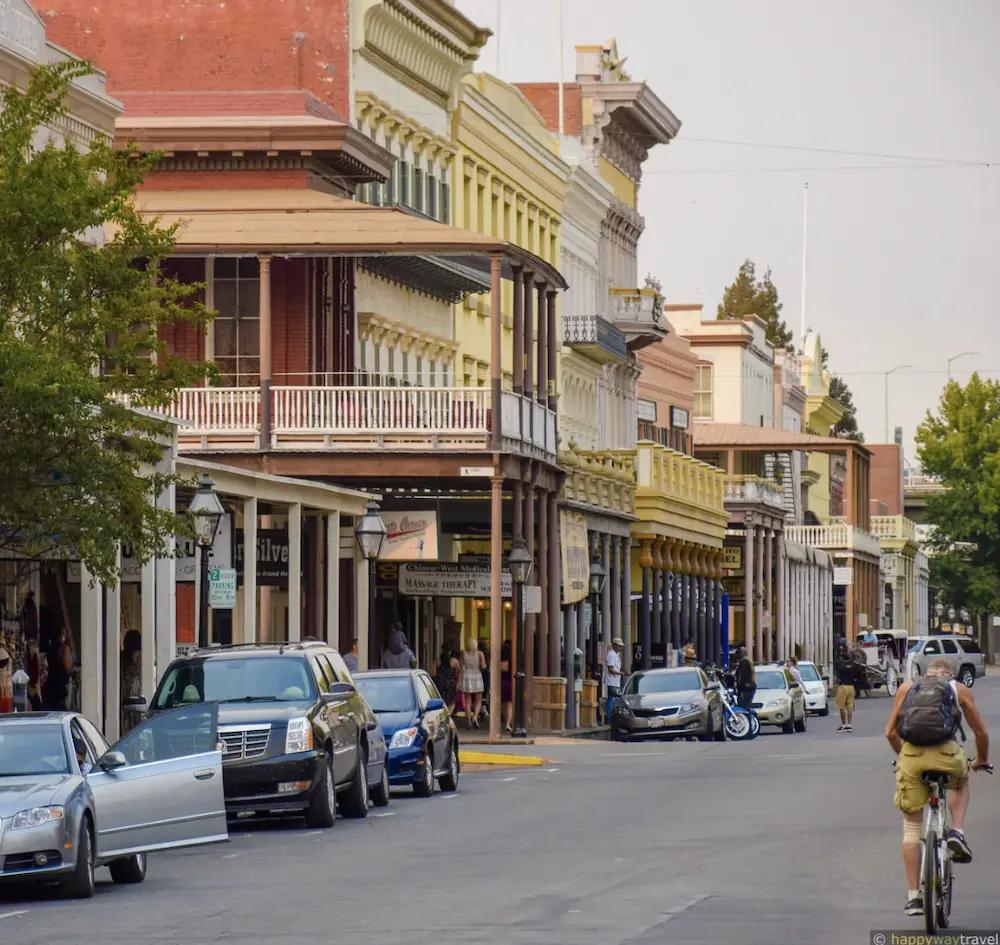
(613, 674)
(471, 682)
(745, 680)
(847, 672)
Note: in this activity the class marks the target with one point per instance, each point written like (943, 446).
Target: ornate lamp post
(370, 534)
(520, 564)
(964, 616)
(939, 612)
(598, 577)
(206, 512)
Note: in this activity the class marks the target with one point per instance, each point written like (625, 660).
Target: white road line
(313, 833)
(11, 915)
(507, 780)
(448, 797)
(551, 770)
(232, 856)
(684, 906)
(389, 813)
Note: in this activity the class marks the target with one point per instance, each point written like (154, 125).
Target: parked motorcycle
(741, 724)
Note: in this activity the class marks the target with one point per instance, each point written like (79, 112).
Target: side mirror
(372, 725)
(137, 703)
(825, 678)
(713, 686)
(112, 760)
(434, 705)
(339, 692)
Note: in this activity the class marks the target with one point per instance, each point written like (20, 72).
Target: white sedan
(815, 685)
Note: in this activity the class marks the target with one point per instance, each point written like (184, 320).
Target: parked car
(779, 700)
(421, 734)
(70, 803)
(815, 688)
(669, 703)
(297, 735)
(963, 654)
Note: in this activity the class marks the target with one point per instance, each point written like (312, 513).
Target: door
(435, 722)
(352, 718)
(337, 718)
(169, 792)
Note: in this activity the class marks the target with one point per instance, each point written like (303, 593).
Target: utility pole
(805, 247)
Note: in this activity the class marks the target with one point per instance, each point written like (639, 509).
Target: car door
(952, 655)
(712, 698)
(435, 720)
(169, 791)
(343, 715)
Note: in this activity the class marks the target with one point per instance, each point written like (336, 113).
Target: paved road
(791, 838)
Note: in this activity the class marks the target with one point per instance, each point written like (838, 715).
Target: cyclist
(925, 719)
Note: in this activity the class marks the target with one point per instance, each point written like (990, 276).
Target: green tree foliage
(847, 428)
(750, 295)
(960, 445)
(78, 339)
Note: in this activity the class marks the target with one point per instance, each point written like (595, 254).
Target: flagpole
(805, 247)
(562, 107)
(497, 37)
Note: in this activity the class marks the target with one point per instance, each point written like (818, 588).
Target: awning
(442, 278)
(738, 436)
(310, 223)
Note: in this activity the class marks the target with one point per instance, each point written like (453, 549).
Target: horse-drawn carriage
(884, 661)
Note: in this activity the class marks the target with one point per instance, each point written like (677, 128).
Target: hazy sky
(904, 259)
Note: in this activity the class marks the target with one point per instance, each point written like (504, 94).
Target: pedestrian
(6, 681)
(59, 659)
(484, 710)
(471, 681)
(792, 665)
(846, 670)
(446, 676)
(613, 674)
(506, 687)
(857, 654)
(131, 680)
(351, 659)
(745, 679)
(397, 653)
(689, 652)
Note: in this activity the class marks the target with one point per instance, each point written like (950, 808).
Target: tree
(79, 338)
(960, 445)
(748, 295)
(847, 427)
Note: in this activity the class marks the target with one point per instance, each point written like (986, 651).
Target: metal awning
(442, 278)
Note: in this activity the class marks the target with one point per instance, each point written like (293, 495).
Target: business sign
(575, 555)
(475, 472)
(222, 588)
(410, 536)
(732, 558)
(272, 556)
(680, 419)
(645, 410)
(435, 579)
(843, 577)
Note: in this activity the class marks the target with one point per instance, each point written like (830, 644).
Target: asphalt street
(790, 838)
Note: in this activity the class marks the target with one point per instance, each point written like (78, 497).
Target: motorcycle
(741, 724)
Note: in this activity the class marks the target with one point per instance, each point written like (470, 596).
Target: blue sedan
(418, 728)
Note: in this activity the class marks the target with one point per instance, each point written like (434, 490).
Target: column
(368, 652)
(759, 596)
(615, 578)
(553, 350)
(581, 628)
(294, 572)
(667, 593)
(517, 333)
(542, 579)
(606, 593)
(569, 642)
(779, 603)
(530, 620)
(249, 570)
(112, 657)
(627, 602)
(768, 589)
(91, 655)
(264, 332)
(496, 353)
(748, 587)
(166, 590)
(543, 348)
(676, 599)
(147, 596)
(685, 579)
(554, 585)
(646, 563)
(656, 598)
(704, 610)
(332, 634)
(529, 335)
(496, 598)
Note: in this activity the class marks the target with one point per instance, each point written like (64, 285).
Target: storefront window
(236, 328)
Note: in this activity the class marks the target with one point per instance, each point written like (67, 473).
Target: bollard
(21, 680)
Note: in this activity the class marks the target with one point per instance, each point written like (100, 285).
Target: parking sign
(222, 588)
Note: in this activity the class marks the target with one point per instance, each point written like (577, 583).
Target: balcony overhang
(743, 438)
(638, 314)
(443, 279)
(596, 338)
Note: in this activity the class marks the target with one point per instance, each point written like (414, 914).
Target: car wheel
(788, 727)
(618, 735)
(424, 785)
(354, 802)
(131, 869)
(720, 733)
(81, 884)
(967, 676)
(322, 810)
(891, 681)
(824, 712)
(380, 793)
(449, 781)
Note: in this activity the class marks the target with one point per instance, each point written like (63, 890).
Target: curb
(498, 758)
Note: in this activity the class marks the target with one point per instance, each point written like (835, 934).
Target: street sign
(475, 472)
(843, 577)
(222, 588)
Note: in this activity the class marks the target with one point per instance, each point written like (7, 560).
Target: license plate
(657, 723)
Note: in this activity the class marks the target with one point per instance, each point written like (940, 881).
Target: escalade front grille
(240, 742)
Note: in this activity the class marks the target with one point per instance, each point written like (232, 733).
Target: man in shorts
(912, 793)
(846, 670)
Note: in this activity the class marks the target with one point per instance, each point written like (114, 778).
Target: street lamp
(951, 615)
(520, 564)
(964, 615)
(370, 534)
(939, 611)
(955, 357)
(598, 577)
(885, 381)
(206, 512)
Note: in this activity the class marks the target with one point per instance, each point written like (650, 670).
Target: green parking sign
(222, 588)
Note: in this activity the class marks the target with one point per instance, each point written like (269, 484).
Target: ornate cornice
(372, 110)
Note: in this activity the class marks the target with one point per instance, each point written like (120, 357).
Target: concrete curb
(498, 758)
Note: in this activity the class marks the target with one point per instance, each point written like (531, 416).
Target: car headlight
(622, 708)
(780, 702)
(690, 707)
(35, 817)
(404, 738)
(299, 737)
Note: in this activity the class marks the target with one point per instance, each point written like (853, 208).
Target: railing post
(265, 352)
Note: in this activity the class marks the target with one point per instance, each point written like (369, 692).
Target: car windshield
(387, 693)
(914, 645)
(808, 672)
(644, 683)
(31, 750)
(771, 679)
(252, 679)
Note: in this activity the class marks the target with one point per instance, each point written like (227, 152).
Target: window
(93, 736)
(445, 203)
(322, 673)
(260, 679)
(340, 667)
(404, 182)
(970, 646)
(28, 749)
(236, 328)
(432, 197)
(931, 648)
(949, 646)
(703, 391)
(418, 189)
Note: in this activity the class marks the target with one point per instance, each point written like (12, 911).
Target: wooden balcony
(601, 480)
(753, 490)
(894, 528)
(836, 535)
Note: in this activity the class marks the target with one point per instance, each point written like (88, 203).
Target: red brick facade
(545, 97)
(887, 478)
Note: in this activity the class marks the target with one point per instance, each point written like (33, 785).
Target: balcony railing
(307, 417)
(678, 476)
(753, 490)
(595, 337)
(897, 527)
(639, 314)
(605, 480)
(835, 535)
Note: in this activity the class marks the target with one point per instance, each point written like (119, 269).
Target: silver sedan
(70, 803)
(669, 703)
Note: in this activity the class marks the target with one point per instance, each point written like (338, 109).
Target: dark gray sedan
(70, 803)
(669, 703)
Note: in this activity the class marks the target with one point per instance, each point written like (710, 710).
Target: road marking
(388, 813)
(572, 911)
(551, 770)
(232, 856)
(507, 780)
(448, 797)
(313, 833)
(11, 915)
(684, 906)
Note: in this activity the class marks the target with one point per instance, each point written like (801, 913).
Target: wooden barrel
(588, 703)
(549, 708)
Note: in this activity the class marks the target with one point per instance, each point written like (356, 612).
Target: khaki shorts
(845, 697)
(913, 761)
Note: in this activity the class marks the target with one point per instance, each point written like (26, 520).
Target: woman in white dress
(471, 681)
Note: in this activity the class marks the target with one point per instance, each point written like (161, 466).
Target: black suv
(296, 735)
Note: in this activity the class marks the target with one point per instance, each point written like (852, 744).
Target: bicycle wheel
(930, 881)
(944, 899)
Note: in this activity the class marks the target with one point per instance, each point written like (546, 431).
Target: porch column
(530, 620)
(496, 356)
(496, 567)
(656, 594)
(615, 577)
(166, 591)
(147, 601)
(112, 658)
(553, 350)
(627, 602)
(264, 331)
(368, 649)
(569, 642)
(582, 609)
(529, 335)
(553, 585)
(606, 591)
(768, 588)
(543, 348)
(779, 603)
(517, 333)
(332, 634)
(748, 588)
(646, 563)
(759, 599)
(294, 631)
(542, 580)
(667, 594)
(91, 651)
(701, 641)
(676, 597)
(249, 570)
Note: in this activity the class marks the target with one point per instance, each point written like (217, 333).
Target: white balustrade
(226, 410)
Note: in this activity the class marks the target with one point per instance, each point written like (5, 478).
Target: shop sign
(645, 410)
(680, 419)
(272, 556)
(222, 588)
(433, 579)
(732, 558)
(410, 536)
(843, 577)
(475, 472)
(575, 555)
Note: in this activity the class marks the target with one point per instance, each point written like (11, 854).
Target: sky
(903, 248)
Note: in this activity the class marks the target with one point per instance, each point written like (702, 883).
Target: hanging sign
(843, 577)
(410, 536)
(435, 579)
(575, 556)
(732, 557)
